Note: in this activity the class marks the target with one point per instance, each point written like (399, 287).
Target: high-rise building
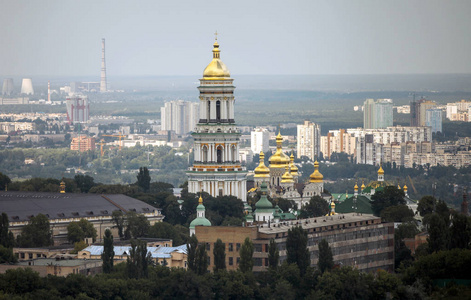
(27, 87)
(459, 111)
(7, 89)
(424, 106)
(216, 168)
(338, 141)
(377, 114)
(78, 109)
(309, 140)
(259, 139)
(103, 87)
(433, 118)
(179, 116)
(82, 143)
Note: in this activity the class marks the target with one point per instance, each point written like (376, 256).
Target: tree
(273, 255)
(143, 178)
(460, 232)
(219, 253)
(326, 260)
(246, 254)
(201, 261)
(438, 233)
(426, 205)
(296, 247)
(316, 207)
(389, 196)
(397, 213)
(118, 218)
(138, 260)
(191, 252)
(6, 236)
(79, 231)
(108, 252)
(84, 182)
(4, 181)
(37, 233)
(137, 225)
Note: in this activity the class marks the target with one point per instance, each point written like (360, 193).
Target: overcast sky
(63, 37)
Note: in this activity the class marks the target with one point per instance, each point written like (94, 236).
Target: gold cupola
(363, 185)
(316, 176)
(355, 187)
(287, 177)
(380, 171)
(262, 171)
(216, 70)
(405, 188)
(294, 169)
(279, 159)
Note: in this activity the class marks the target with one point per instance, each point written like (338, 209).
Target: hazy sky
(156, 37)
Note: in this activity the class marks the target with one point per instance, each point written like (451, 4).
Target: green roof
(200, 222)
(363, 205)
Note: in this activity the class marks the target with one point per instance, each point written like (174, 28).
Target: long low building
(360, 241)
(172, 257)
(63, 208)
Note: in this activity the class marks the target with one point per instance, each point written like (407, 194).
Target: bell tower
(216, 168)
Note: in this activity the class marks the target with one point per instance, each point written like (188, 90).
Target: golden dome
(262, 170)
(216, 69)
(294, 169)
(355, 187)
(200, 200)
(316, 176)
(380, 171)
(405, 188)
(398, 187)
(363, 185)
(279, 159)
(332, 204)
(287, 177)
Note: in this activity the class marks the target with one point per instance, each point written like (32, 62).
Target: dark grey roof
(20, 206)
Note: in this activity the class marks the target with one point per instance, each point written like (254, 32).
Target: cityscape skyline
(307, 37)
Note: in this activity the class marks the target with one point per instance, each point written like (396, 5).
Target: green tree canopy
(273, 255)
(37, 233)
(426, 205)
(326, 260)
(108, 252)
(143, 178)
(219, 254)
(389, 196)
(79, 231)
(296, 247)
(316, 207)
(397, 213)
(246, 256)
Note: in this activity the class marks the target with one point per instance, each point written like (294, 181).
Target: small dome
(216, 68)
(262, 171)
(405, 187)
(287, 177)
(355, 187)
(294, 169)
(263, 202)
(363, 185)
(380, 171)
(316, 176)
(200, 222)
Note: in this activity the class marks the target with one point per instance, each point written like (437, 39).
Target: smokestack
(103, 68)
(27, 87)
(48, 91)
(7, 87)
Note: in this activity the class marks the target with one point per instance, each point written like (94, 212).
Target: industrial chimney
(48, 91)
(27, 87)
(103, 68)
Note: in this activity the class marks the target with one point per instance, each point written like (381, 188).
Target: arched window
(205, 153)
(218, 111)
(219, 154)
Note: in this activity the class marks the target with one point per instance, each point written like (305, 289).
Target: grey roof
(20, 206)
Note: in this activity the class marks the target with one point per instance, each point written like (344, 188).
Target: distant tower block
(103, 68)
(27, 87)
(7, 87)
(77, 109)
